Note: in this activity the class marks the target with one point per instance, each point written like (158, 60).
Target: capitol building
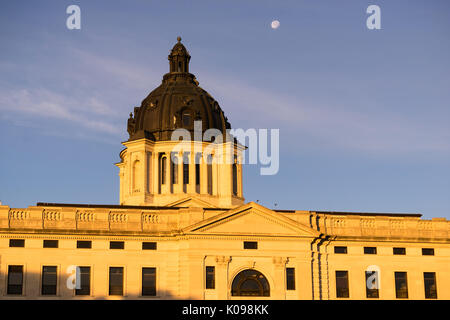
(183, 230)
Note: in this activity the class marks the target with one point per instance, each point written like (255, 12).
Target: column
(155, 173)
(148, 172)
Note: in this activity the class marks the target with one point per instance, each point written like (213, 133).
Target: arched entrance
(250, 283)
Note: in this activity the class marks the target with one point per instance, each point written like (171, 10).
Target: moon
(275, 24)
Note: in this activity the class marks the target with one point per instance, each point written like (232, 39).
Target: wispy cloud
(45, 104)
(95, 100)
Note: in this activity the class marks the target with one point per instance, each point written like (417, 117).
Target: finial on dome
(179, 38)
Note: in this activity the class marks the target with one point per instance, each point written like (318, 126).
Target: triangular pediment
(191, 202)
(251, 219)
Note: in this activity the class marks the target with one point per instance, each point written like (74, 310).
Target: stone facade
(189, 238)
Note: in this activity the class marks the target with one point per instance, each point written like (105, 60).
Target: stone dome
(176, 103)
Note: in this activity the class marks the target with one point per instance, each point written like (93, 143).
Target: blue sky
(363, 114)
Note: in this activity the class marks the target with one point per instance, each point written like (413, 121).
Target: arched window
(187, 118)
(174, 167)
(162, 170)
(250, 283)
(235, 180)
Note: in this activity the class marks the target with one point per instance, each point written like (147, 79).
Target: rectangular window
(49, 280)
(290, 278)
(116, 245)
(50, 244)
(210, 277)
(342, 290)
(401, 285)
(116, 281)
(372, 284)
(186, 168)
(149, 281)
(16, 243)
(85, 281)
(427, 251)
(399, 251)
(341, 250)
(250, 245)
(370, 250)
(81, 244)
(15, 280)
(429, 279)
(148, 245)
(198, 159)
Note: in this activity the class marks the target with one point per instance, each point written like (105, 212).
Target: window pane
(149, 281)
(197, 173)
(49, 280)
(250, 283)
(185, 173)
(342, 250)
(372, 284)
(15, 279)
(401, 285)
(210, 278)
(186, 119)
(50, 244)
(19, 243)
(174, 170)
(290, 278)
(235, 176)
(85, 281)
(116, 245)
(342, 284)
(370, 250)
(148, 245)
(116, 281)
(399, 251)
(84, 244)
(428, 251)
(163, 170)
(250, 245)
(430, 285)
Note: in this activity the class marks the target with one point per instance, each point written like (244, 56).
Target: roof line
(114, 206)
(370, 213)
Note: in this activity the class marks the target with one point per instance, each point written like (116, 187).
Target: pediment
(251, 219)
(191, 202)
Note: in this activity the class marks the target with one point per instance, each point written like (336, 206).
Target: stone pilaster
(222, 263)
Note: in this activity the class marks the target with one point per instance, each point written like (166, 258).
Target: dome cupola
(176, 103)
